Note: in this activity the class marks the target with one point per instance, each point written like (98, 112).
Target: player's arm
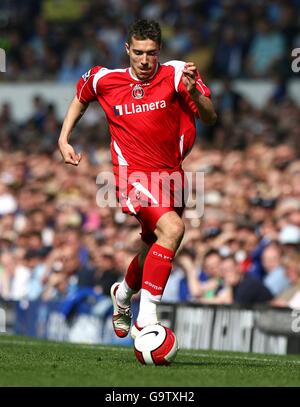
(203, 103)
(75, 111)
(85, 94)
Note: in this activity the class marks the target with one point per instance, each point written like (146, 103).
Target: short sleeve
(85, 86)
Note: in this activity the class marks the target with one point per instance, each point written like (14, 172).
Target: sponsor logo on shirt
(131, 108)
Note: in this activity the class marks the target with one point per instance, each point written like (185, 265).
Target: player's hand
(189, 76)
(69, 155)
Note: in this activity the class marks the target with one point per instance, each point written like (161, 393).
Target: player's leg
(166, 229)
(169, 231)
(132, 281)
(121, 293)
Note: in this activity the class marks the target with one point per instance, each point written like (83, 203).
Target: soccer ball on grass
(155, 345)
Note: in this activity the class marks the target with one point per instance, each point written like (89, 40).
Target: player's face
(143, 56)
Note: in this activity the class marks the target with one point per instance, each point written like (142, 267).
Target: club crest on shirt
(138, 92)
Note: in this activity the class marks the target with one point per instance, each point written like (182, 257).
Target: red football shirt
(151, 122)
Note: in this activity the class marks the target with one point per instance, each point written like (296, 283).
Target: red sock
(157, 268)
(134, 274)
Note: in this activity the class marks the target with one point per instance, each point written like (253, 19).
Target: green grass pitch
(30, 362)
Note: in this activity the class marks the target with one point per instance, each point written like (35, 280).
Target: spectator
(229, 100)
(207, 282)
(275, 279)
(185, 278)
(266, 49)
(229, 53)
(289, 296)
(35, 262)
(289, 238)
(239, 288)
(65, 274)
(12, 281)
(106, 273)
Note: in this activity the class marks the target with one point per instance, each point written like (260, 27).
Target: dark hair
(230, 257)
(143, 30)
(185, 251)
(211, 252)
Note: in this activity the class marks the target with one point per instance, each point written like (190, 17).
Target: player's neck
(133, 74)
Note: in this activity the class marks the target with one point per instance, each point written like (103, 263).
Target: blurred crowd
(56, 242)
(225, 38)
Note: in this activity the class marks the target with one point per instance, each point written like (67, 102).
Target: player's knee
(179, 230)
(174, 230)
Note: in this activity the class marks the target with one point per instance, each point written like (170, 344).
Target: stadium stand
(66, 38)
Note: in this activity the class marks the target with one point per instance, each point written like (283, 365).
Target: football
(155, 345)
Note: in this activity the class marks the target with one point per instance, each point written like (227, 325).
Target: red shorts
(147, 195)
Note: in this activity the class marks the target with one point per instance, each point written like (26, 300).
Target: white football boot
(122, 316)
